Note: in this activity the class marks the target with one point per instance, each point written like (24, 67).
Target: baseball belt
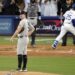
(22, 36)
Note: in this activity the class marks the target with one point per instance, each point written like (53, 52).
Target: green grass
(39, 40)
(54, 64)
(5, 40)
(64, 65)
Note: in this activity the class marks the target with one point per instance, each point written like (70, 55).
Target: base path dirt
(24, 73)
(39, 50)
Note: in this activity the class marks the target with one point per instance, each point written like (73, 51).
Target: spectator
(59, 3)
(49, 7)
(53, 8)
(45, 8)
(5, 4)
(38, 1)
(73, 1)
(26, 2)
(42, 1)
(20, 4)
(9, 8)
(1, 6)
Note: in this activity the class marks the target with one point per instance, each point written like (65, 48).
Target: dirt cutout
(39, 50)
(24, 73)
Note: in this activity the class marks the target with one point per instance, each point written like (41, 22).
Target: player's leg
(33, 35)
(73, 39)
(64, 40)
(20, 53)
(24, 68)
(24, 63)
(59, 37)
(19, 62)
(72, 30)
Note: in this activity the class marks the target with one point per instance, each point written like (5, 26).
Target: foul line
(48, 39)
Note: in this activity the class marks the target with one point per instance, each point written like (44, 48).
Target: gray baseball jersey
(23, 37)
(32, 12)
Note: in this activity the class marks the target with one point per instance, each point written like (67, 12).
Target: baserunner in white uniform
(68, 25)
(22, 40)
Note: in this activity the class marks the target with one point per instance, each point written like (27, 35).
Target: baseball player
(68, 25)
(22, 40)
(33, 11)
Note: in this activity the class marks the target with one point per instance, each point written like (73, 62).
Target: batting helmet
(73, 6)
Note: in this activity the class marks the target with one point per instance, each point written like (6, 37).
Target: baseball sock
(24, 61)
(19, 61)
(55, 44)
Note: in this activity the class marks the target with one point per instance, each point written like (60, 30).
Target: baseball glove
(22, 30)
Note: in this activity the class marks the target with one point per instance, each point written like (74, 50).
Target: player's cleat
(19, 69)
(33, 46)
(55, 44)
(73, 42)
(63, 44)
(24, 69)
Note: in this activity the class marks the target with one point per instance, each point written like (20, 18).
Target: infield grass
(39, 40)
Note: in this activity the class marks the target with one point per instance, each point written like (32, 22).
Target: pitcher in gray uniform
(33, 11)
(22, 40)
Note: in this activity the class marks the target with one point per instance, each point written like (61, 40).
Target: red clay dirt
(24, 73)
(39, 50)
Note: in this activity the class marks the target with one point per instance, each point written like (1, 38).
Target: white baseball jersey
(69, 15)
(67, 25)
(23, 40)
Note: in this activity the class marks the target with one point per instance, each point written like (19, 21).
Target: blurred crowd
(47, 7)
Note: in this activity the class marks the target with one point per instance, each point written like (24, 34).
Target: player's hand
(28, 34)
(11, 39)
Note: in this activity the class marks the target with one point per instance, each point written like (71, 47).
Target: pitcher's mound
(24, 73)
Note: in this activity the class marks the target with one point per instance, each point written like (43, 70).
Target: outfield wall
(8, 24)
(47, 25)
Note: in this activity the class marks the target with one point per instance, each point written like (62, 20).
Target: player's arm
(31, 29)
(19, 28)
